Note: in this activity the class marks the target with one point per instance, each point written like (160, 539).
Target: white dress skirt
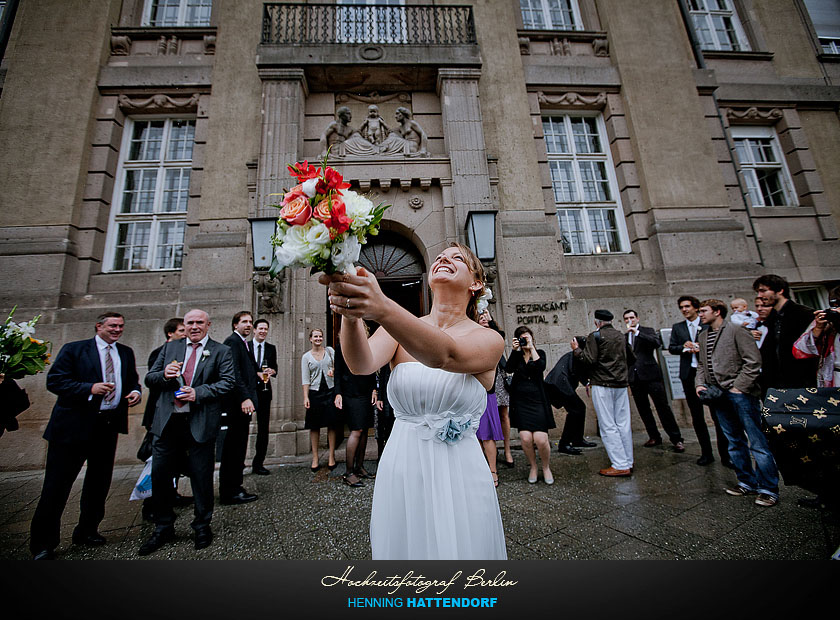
(434, 497)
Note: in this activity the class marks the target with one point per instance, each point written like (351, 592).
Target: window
(762, 167)
(358, 22)
(550, 14)
(168, 13)
(815, 297)
(150, 199)
(825, 15)
(717, 26)
(584, 187)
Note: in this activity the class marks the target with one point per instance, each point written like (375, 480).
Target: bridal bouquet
(322, 224)
(20, 353)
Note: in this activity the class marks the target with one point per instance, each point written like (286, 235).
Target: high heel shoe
(314, 469)
(332, 467)
(495, 478)
(532, 479)
(549, 479)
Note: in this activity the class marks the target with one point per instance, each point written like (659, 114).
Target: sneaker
(764, 499)
(739, 491)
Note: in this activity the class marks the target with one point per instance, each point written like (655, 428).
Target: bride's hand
(355, 296)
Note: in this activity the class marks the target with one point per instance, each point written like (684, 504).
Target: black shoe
(147, 513)
(332, 467)
(94, 539)
(184, 500)
(351, 480)
(45, 554)
(650, 443)
(243, 497)
(156, 540)
(363, 473)
(203, 537)
(568, 449)
(260, 470)
(705, 460)
(583, 444)
(728, 464)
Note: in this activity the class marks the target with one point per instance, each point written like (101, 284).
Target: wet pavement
(670, 508)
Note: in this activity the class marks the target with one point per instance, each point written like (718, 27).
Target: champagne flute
(265, 376)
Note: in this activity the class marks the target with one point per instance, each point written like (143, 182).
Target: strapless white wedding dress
(434, 497)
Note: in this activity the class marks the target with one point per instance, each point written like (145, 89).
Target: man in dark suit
(265, 356)
(561, 384)
(191, 375)
(646, 383)
(684, 337)
(96, 382)
(240, 403)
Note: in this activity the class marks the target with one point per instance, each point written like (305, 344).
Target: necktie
(189, 369)
(692, 328)
(259, 355)
(632, 336)
(109, 376)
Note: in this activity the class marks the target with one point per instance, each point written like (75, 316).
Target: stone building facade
(631, 151)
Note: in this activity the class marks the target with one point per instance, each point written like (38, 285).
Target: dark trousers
(575, 419)
(64, 462)
(698, 420)
(384, 425)
(234, 449)
(643, 393)
(175, 446)
(263, 418)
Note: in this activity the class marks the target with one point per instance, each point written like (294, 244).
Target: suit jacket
(788, 325)
(646, 368)
(679, 336)
(152, 398)
(736, 361)
(245, 368)
(213, 378)
(75, 369)
(270, 359)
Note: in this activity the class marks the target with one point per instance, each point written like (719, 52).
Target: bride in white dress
(434, 497)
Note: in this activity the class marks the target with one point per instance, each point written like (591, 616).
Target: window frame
(584, 208)
(156, 217)
(182, 13)
(546, 14)
(747, 169)
(706, 13)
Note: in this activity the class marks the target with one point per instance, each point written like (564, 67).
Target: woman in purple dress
(490, 426)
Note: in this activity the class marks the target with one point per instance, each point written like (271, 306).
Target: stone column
(464, 139)
(284, 92)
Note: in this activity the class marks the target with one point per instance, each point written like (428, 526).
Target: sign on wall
(670, 366)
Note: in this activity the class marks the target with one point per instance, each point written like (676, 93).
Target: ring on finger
(347, 303)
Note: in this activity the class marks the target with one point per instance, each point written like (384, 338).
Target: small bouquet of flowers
(20, 353)
(322, 224)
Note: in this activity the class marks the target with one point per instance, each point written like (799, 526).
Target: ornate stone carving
(172, 45)
(159, 102)
(209, 44)
(374, 129)
(573, 100)
(416, 202)
(524, 46)
(374, 138)
(601, 47)
(120, 45)
(162, 45)
(754, 114)
(269, 293)
(561, 47)
(373, 97)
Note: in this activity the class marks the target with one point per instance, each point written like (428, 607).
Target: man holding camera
(729, 363)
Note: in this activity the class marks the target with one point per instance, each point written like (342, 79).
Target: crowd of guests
(726, 365)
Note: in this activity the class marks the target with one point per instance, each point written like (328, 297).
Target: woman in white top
(316, 371)
(433, 497)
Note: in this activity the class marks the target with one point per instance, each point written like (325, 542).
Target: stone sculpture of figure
(343, 139)
(374, 129)
(408, 139)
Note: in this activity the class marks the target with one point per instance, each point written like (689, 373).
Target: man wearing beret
(608, 358)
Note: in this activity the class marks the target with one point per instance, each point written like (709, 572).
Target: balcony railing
(285, 24)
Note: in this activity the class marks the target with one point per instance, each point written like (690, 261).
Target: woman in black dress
(355, 397)
(530, 411)
(317, 370)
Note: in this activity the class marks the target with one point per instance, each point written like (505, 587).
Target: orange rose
(322, 209)
(297, 210)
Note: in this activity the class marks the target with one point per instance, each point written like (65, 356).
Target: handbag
(144, 452)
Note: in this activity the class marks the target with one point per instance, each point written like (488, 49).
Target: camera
(833, 317)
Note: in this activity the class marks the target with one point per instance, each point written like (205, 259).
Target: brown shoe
(612, 471)
(652, 442)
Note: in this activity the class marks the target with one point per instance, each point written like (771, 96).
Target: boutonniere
(205, 354)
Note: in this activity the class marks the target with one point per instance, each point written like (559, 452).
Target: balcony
(407, 42)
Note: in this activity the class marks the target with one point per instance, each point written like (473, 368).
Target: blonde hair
(738, 301)
(477, 270)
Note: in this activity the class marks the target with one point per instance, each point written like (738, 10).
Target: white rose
(359, 209)
(319, 234)
(309, 186)
(345, 253)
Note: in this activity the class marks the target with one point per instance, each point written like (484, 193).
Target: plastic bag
(143, 488)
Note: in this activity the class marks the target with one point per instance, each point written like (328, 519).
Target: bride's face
(450, 266)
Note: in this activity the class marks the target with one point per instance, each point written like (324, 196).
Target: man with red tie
(96, 382)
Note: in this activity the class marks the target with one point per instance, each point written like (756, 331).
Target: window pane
(573, 236)
(132, 248)
(198, 12)
(554, 130)
(585, 132)
(563, 181)
(604, 230)
(704, 33)
(139, 191)
(146, 140)
(176, 190)
(170, 246)
(165, 12)
(727, 40)
(532, 16)
(181, 140)
(596, 186)
(771, 187)
(561, 14)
